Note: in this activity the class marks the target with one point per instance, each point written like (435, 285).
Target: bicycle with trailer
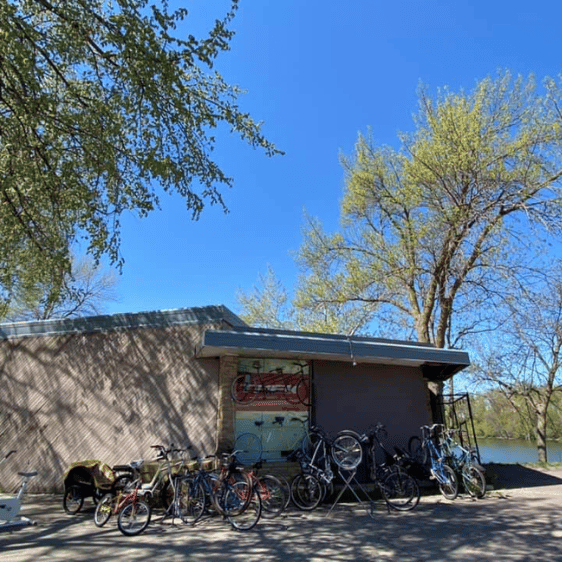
(96, 479)
(10, 506)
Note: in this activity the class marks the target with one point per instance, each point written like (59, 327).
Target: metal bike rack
(351, 483)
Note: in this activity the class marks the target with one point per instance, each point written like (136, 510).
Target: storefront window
(272, 401)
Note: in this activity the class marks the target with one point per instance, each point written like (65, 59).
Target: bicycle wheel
(286, 489)
(448, 483)
(73, 499)
(474, 481)
(400, 491)
(272, 494)
(192, 499)
(298, 393)
(306, 491)
(123, 482)
(244, 389)
(347, 451)
(250, 515)
(134, 518)
(303, 392)
(221, 490)
(251, 447)
(103, 510)
(416, 449)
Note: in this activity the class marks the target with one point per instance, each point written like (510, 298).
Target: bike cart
(89, 478)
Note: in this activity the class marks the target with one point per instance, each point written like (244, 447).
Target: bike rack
(351, 478)
(458, 414)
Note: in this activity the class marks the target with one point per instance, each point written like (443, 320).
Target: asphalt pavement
(520, 520)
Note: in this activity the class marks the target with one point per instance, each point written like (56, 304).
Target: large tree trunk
(436, 401)
(541, 432)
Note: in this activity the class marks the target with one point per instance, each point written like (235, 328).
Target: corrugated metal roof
(438, 364)
(159, 318)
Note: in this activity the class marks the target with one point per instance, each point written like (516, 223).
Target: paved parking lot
(514, 523)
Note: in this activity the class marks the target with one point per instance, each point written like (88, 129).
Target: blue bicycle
(439, 470)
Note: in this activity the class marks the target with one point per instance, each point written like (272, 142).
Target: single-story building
(109, 387)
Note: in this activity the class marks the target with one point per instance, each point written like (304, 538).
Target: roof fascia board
(210, 315)
(327, 345)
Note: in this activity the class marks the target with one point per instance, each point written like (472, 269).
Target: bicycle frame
(119, 501)
(464, 456)
(319, 453)
(164, 470)
(436, 457)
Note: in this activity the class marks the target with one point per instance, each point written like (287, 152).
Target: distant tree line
(496, 415)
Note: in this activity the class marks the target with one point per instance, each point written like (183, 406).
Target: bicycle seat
(28, 474)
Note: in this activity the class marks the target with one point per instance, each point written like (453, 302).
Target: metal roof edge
(330, 345)
(340, 337)
(213, 314)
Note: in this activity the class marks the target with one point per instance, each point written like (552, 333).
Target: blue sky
(316, 73)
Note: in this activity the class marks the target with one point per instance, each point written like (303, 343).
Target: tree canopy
(103, 104)
(83, 291)
(429, 231)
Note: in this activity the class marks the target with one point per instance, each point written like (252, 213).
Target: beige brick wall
(108, 396)
(226, 416)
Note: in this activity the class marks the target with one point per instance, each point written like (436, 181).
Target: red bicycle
(133, 514)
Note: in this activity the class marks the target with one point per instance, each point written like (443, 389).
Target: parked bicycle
(309, 487)
(199, 484)
(428, 449)
(165, 483)
(10, 506)
(399, 489)
(133, 513)
(464, 461)
(157, 477)
(271, 491)
(229, 492)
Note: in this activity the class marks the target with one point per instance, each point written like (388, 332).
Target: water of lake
(515, 451)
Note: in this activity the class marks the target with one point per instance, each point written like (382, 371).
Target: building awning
(436, 364)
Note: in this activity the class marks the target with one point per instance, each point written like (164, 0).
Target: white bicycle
(10, 505)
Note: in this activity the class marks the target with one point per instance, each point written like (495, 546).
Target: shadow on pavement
(509, 476)
(518, 524)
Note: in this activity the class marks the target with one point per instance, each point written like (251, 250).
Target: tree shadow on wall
(108, 396)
